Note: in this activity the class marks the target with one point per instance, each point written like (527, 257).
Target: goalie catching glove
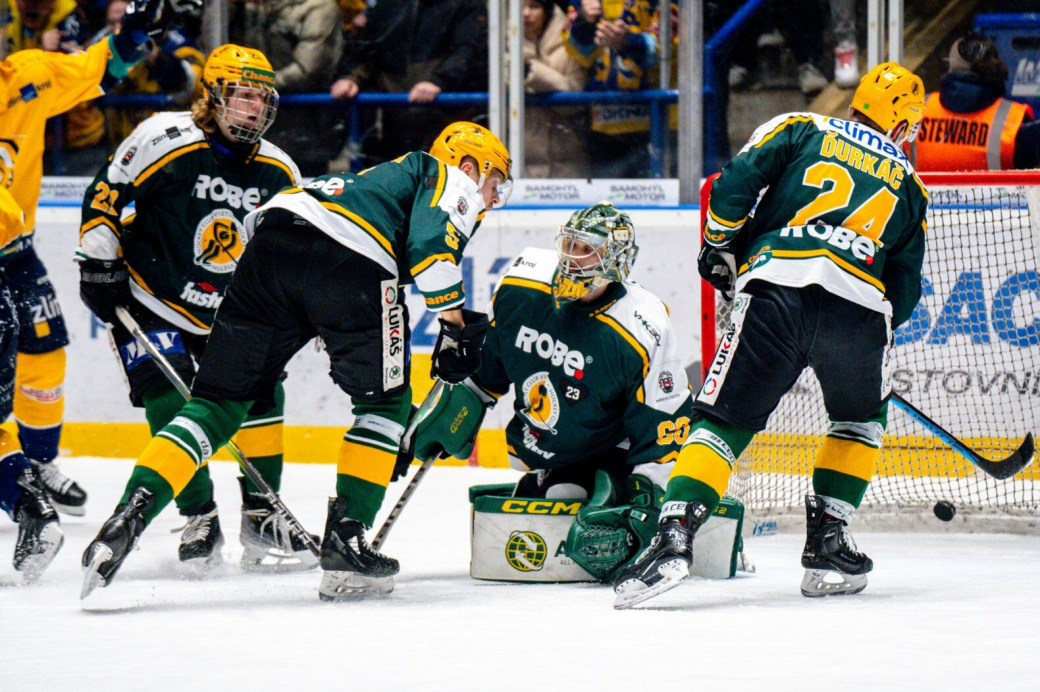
(605, 535)
(449, 430)
(719, 268)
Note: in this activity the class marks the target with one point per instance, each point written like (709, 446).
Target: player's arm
(659, 401)
(77, 77)
(761, 162)
(104, 277)
(902, 272)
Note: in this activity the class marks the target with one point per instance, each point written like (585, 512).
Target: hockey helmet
(232, 75)
(462, 139)
(596, 246)
(893, 97)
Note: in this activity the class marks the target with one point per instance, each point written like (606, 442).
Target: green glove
(451, 427)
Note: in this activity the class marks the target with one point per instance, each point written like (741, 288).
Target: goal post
(969, 357)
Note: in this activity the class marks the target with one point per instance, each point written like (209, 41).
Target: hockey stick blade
(295, 527)
(1001, 470)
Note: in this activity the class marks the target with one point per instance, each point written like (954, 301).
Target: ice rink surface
(942, 612)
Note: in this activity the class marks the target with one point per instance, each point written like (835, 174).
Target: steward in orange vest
(967, 124)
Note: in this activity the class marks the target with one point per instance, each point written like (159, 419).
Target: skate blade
(350, 586)
(266, 560)
(70, 510)
(826, 582)
(634, 591)
(33, 566)
(92, 578)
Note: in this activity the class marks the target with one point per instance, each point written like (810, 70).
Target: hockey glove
(104, 285)
(140, 24)
(719, 268)
(456, 355)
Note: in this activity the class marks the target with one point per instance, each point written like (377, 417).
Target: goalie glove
(719, 268)
(456, 355)
(449, 430)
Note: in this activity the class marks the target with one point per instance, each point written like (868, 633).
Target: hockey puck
(944, 510)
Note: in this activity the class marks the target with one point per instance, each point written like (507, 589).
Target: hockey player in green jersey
(329, 260)
(818, 227)
(594, 365)
(162, 233)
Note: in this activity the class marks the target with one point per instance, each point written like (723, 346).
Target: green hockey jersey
(818, 200)
(413, 216)
(173, 208)
(587, 378)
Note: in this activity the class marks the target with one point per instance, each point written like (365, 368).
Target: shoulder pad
(534, 264)
(775, 124)
(643, 315)
(150, 141)
(461, 200)
(272, 151)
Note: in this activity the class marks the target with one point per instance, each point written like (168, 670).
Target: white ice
(945, 612)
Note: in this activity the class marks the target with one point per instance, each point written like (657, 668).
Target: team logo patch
(462, 207)
(128, 156)
(666, 382)
(542, 408)
(219, 242)
(526, 551)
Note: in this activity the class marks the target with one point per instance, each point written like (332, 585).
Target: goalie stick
(428, 404)
(295, 527)
(1001, 470)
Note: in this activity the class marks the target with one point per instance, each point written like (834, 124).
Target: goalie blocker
(520, 539)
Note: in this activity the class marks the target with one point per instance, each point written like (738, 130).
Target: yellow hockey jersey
(36, 85)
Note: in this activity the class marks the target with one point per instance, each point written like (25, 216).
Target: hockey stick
(295, 527)
(1001, 470)
(428, 404)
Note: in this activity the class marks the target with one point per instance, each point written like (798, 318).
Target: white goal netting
(969, 358)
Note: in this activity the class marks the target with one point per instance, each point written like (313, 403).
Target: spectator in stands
(555, 138)
(843, 26)
(968, 124)
(303, 39)
(422, 48)
(173, 67)
(615, 42)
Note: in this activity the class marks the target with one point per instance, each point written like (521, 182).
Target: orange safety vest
(979, 141)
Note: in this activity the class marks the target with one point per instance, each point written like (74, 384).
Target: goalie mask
(240, 84)
(596, 247)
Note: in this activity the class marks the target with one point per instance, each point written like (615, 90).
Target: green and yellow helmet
(233, 75)
(596, 246)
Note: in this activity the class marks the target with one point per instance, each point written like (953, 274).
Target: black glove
(719, 268)
(104, 285)
(456, 355)
(140, 24)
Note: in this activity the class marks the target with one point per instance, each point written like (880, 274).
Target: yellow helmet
(247, 71)
(891, 95)
(469, 139)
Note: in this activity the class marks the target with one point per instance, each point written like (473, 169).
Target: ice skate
(39, 532)
(119, 535)
(201, 538)
(268, 545)
(666, 561)
(352, 568)
(833, 566)
(64, 493)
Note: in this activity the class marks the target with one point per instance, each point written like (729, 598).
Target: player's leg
(22, 495)
(758, 360)
(268, 545)
(255, 334)
(39, 398)
(848, 357)
(361, 316)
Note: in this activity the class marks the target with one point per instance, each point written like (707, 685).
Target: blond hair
(202, 113)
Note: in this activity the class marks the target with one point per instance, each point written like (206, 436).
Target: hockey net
(969, 358)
